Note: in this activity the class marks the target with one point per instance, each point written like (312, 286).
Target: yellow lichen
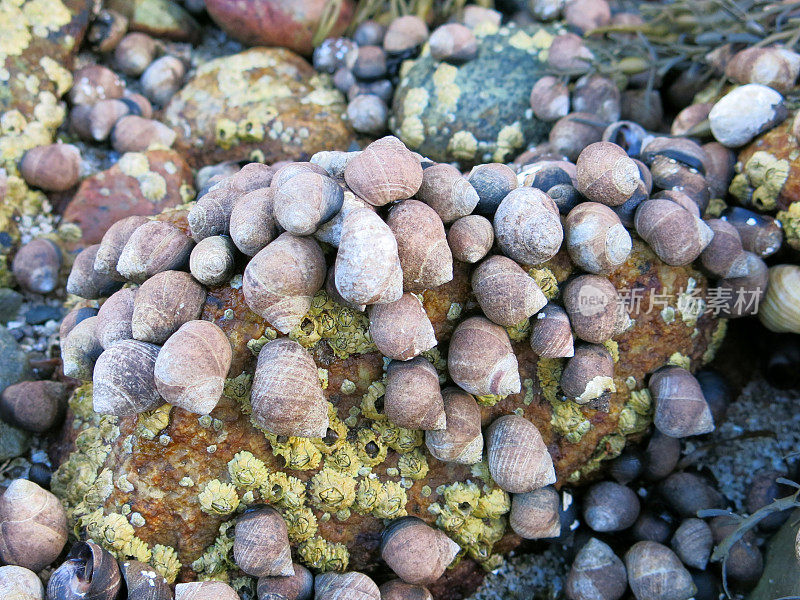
(509, 139)
(488, 399)
(412, 131)
(247, 471)
(520, 331)
(331, 490)
(415, 102)
(218, 498)
(153, 186)
(717, 337)
(133, 164)
(225, 133)
(462, 145)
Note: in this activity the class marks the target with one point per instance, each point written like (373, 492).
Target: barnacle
(299, 453)
(218, 498)
(367, 494)
(247, 471)
(301, 523)
(761, 180)
(283, 490)
(323, 555)
(115, 530)
(331, 490)
(153, 422)
(370, 447)
(217, 558)
(165, 562)
(390, 501)
(413, 465)
(790, 219)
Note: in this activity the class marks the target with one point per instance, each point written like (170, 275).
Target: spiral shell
(596, 574)
(306, 201)
(780, 310)
(87, 283)
(777, 68)
(123, 379)
(211, 214)
(593, 305)
(397, 589)
(425, 257)
(517, 456)
(654, 572)
(252, 223)
(154, 247)
(551, 334)
(384, 172)
(165, 302)
(293, 169)
(724, 256)
(80, 349)
(330, 232)
(493, 182)
(368, 264)
(480, 359)
(606, 174)
(681, 409)
(298, 586)
(112, 244)
(281, 279)
(205, 590)
(287, 397)
(461, 441)
(415, 551)
(527, 226)
(114, 319)
(597, 241)
(453, 42)
(534, 515)
(447, 192)
(212, 261)
(345, 586)
(54, 168)
(192, 365)
(413, 399)
(675, 234)
(470, 238)
(401, 330)
(19, 583)
(610, 506)
(261, 544)
(33, 526)
(589, 374)
(506, 293)
(143, 583)
(693, 542)
(89, 573)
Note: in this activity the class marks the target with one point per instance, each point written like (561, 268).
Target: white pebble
(744, 113)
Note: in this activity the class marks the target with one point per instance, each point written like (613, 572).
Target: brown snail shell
(780, 310)
(610, 506)
(133, 133)
(89, 573)
(447, 192)
(80, 349)
(115, 317)
(675, 234)
(123, 379)
(571, 134)
(162, 78)
(33, 526)
(551, 334)
(517, 456)
(367, 265)
(493, 182)
(113, 243)
(384, 172)
(104, 115)
(306, 201)
(681, 409)
(527, 226)
(480, 359)
(152, 248)
(75, 316)
(35, 405)
(453, 42)
(401, 330)
(592, 303)
(589, 374)
(596, 574)
(534, 515)
(425, 257)
(550, 98)
(330, 232)
(742, 296)
(724, 256)
(415, 551)
(655, 573)
(205, 590)
(36, 266)
(606, 174)
(53, 168)
(212, 261)
(287, 396)
(692, 542)
(413, 398)
(252, 222)
(19, 583)
(143, 583)
(261, 544)
(506, 293)
(87, 283)
(345, 586)
(777, 68)
(292, 169)
(134, 53)
(397, 589)
(461, 441)
(334, 162)
(211, 214)
(298, 586)
(760, 234)
(405, 33)
(165, 302)
(596, 239)
(470, 238)
(192, 365)
(93, 83)
(281, 279)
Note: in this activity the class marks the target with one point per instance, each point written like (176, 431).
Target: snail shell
(154, 247)
(36, 266)
(133, 133)
(415, 551)
(330, 232)
(447, 192)
(261, 544)
(470, 238)
(693, 542)
(81, 349)
(506, 294)
(676, 235)
(212, 261)
(401, 330)
(292, 169)
(19, 583)
(551, 334)
(252, 176)
(774, 67)
(298, 586)
(404, 33)
(681, 409)
(517, 456)
(287, 397)
(143, 583)
(480, 359)
(606, 174)
(610, 506)
(33, 526)
(384, 172)
(192, 365)
(75, 316)
(461, 441)
(527, 226)
(165, 302)
(123, 379)
(589, 374)
(741, 296)
(112, 244)
(115, 317)
(367, 265)
(413, 399)
(597, 241)
(281, 279)
(760, 234)
(205, 590)
(592, 303)
(425, 257)
(550, 99)
(89, 573)
(655, 573)
(453, 42)
(345, 586)
(534, 515)
(54, 168)
(211, 214)
(306, 201)
(724, 255)
(252, 224)
(396, 589)
(596, 574)
(493, 182)
(780, 310)
(87, 283)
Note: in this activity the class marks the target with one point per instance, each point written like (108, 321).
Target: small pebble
(744, 113)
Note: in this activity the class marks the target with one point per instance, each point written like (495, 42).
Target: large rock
(479, 111)
(264, 104)
(141, 183)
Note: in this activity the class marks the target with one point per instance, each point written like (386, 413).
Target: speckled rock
(13, 360)
(163, 487)
(141, 183)
(264, 104)
(478, 111)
